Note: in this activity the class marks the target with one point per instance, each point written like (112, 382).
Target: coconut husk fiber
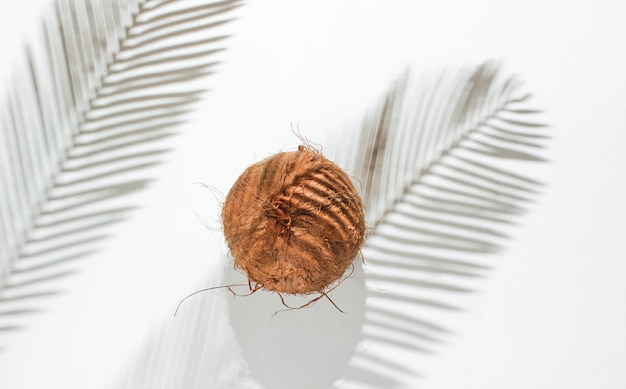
(294, 222)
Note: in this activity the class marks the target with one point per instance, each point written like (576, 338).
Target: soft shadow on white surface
(303, 348)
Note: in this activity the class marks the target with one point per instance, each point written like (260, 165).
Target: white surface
(553, 313)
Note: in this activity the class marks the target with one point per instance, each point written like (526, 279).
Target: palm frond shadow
(196, 350)
(84, 121)
(438, 170)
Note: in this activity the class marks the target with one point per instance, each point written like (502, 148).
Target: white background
(551, 315)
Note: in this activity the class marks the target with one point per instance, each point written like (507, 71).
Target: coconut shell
(294, 222)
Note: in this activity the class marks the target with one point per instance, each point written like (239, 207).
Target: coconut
(294, 222)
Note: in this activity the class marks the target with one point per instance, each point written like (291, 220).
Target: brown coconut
(294, 222)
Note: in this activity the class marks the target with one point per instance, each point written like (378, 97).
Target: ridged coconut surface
(294, 222)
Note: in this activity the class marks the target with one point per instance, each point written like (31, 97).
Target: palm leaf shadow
(437, 164)
(85, 119)
(428, 164)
